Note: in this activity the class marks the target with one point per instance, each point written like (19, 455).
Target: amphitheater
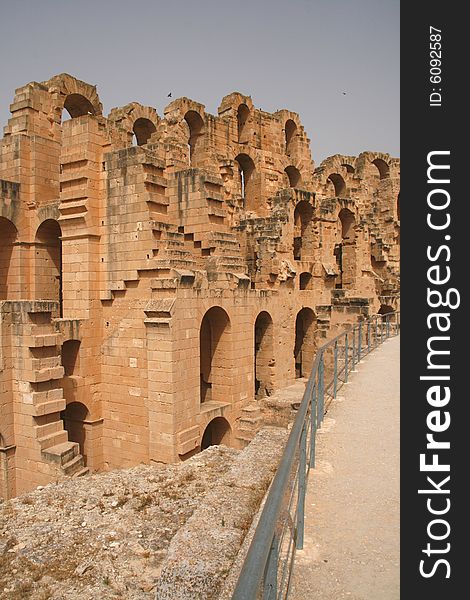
(161, 276)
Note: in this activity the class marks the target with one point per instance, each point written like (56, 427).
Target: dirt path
(352, 507)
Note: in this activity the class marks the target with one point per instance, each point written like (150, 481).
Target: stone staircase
(45, 372)
(249, 423)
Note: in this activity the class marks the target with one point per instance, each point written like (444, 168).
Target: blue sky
(296, 54)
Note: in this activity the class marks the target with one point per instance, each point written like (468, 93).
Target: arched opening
(74, 417)
(338, 183)
(385, 309)
(48, 262)
(349, 168)
(243, 114)
(293, 175)
(217, 432)
(143, 129)
(8, 277)
(304, 347)
(345, 249)
(77, 105)
(305, 281)
(70, 357)
(247, 174)
(196, 127)
(264, 355)
(382, 167)
(290, 131)
(214, 356)
(303, 230)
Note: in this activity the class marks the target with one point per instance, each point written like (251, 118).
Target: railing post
(353, 347)
(375, 340)
(368, 336)
(313, 426)
(381, 330)
(388, 327)
(321, 391)
(299, 543)
(346, 358)
(270, 574)
(335, 376)
(359, 342)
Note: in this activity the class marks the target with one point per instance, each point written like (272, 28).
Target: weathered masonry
(158, 276)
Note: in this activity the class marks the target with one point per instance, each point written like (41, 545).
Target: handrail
(268, 564)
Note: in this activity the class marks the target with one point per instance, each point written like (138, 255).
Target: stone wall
(169, 271)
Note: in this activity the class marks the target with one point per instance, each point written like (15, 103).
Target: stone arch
(382, 167)
(214, 355)
(293, 175)
(195, 140)
(218, 431)
(290, 133)
(264, 355)
(338, 183)
(139, 122)
(303, 230)
(76, 97)
(243, 116)
(345, 249)
(305, 344)
(143, 129)
(48, 262)
(75, 416)
(9, 277)
(305, 280)
(349, 168)
(248, 180)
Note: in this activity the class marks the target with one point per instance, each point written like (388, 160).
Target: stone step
(48, 408)
(43, 430)
(62, 453)
(73, 466)
(47, 374)
(81, 473)
(52, 439)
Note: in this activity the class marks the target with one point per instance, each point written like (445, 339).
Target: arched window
(48, 262)
(382, 167)
(293, 176)
(143, 129)
(214, 355)
(246, 170)
(77, 105)
(345, 250)
(305, 345)
(349, 168)
(290, 131)
(9, 283)
(305, 280)
(74, 417)
(264, 355)
(303, 231)
(196, 127)
(338, 184)
(243, 114)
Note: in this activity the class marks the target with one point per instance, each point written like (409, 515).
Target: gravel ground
(104, 536)
(352, 507)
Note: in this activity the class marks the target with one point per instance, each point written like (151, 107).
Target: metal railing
(267, 568)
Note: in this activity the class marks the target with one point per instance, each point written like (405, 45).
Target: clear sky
(295, 54)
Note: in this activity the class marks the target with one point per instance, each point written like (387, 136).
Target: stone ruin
(160, 275)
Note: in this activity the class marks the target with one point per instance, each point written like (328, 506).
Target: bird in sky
(169, 95)
(344, 93)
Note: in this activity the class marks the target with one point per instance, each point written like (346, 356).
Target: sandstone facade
(159, 275)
